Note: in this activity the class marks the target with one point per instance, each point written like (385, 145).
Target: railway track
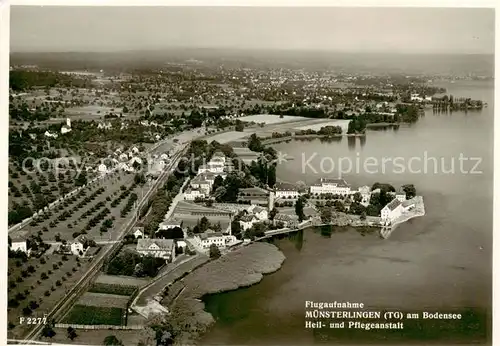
(61, 308)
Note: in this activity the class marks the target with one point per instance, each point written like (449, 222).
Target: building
(391, 211)
(65, 129)
(401, 197)
(159, 248)
(19, 245)
(49, 134)
(365, 193)
(102, 168)
(205, 240)
(77, 247)
(259, 212)
(199, 182)
(192, 194)
(171, 223)
(211, 168)
(333, 186)
(285, 190)
(287, 220)
(247, 221)
(138, 232)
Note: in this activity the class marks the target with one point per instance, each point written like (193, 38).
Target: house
(19, 245)
(247, 221)
(138, 232)
(134, 150)
(65, 129)
(287, 220)
(391, 211)
(192, 194)
(49, 134)
(76, 247)
(102, 168)
(285, 190)
(333, 186)
(79, 244)
(259, 212)
(123, 157)
(159, 248)
(168, 224)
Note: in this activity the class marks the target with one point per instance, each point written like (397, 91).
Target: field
(228, 136)
(82, 314)
(113, 289)
(271, 119)
(103, 300)
(120, 280)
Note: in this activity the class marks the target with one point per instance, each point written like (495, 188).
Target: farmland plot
(104, 300)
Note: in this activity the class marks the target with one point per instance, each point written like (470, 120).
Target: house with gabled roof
(159, 248)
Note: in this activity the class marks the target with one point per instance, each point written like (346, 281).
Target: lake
(441, 262)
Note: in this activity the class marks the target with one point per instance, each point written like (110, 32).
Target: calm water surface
(439, 262)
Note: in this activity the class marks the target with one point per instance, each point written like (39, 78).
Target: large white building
(204, 240)
(159, 248)
(391, 211)
(333, 186)
(284, 190)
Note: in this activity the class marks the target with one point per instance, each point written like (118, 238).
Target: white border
(4, 69)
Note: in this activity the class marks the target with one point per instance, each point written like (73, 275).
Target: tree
(326, 214)
(214, 251)
(71, 333)
(271, 175)
(357, 197)
(48, 332)
(410, 191)
(112, 340)
(363, 215)
(273, 213)
(299, 208)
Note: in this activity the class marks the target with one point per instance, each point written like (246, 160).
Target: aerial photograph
(250, 175)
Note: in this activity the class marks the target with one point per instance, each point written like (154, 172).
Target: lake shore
(243, 267)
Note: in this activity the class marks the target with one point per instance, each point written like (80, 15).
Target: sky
(388, 30)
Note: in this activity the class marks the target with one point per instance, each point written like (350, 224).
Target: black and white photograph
(250, 174)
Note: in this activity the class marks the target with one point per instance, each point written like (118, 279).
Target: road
(97, 263)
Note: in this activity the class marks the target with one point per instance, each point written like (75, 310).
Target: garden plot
(95, 315)
(104, 300)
